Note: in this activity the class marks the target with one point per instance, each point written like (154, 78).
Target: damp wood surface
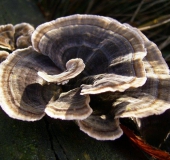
(50, 139)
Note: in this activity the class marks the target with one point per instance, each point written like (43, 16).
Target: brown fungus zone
(3, 55)
(7, 36)
(22, 36)
(87, 68)
(15, 36)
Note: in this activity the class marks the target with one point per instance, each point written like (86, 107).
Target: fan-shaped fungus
(89, 68)
(7, 36)
(3, 55)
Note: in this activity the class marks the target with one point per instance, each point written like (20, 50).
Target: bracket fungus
(3, 55)
(18, 36)
(23, 32)
(7, 36)
(87, 68)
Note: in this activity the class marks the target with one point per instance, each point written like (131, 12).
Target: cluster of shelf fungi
(86, 68)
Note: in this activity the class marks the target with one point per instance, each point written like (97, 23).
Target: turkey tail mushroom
(7, 36)
(3, 55)
(101, 127)
(22, 36)
(70, 106)
(153, 98)
(105, 46)
(74, 67)
(108, 71)
(24, 95)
